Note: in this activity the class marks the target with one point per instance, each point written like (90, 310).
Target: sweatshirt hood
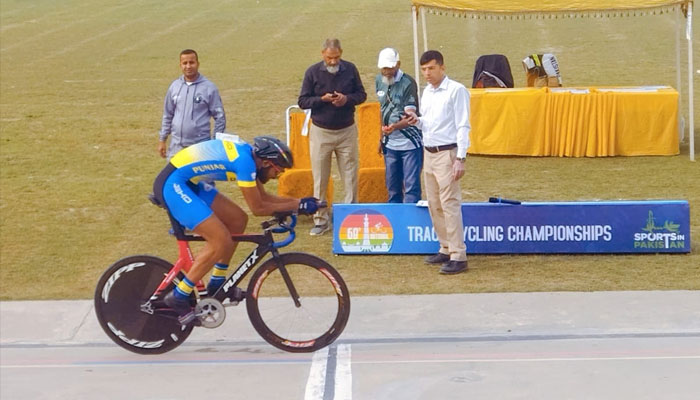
(200, 79)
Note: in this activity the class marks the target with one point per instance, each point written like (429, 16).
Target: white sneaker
(320, 229)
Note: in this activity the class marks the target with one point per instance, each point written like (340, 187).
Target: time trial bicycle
(297, 302)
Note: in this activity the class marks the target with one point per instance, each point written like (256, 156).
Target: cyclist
(182, 186)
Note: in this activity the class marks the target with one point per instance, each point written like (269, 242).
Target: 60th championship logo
(653, 236)
(366, 231)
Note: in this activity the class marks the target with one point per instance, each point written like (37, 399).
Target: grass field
(81, 92)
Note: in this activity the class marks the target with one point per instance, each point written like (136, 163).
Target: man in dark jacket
(331, 90)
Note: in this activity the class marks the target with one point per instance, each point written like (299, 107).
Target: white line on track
(317, 375)
(343, 373)
(330, 376)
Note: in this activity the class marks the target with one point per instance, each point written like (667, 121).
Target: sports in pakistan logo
(654, 236)
(366, 231)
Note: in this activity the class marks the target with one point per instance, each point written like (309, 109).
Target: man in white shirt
(445, 126)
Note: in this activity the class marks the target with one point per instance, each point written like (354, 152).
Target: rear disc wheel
(125, 313)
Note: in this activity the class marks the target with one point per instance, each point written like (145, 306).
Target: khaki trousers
(322, 144)
(445, 202)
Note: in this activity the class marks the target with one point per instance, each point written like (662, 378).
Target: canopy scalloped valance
(520, 9)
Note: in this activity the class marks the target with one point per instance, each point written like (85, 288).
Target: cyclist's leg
(190, 206)
(235, 220)
(230, 214)
(218, 246)
(193, 206)
(218, 243)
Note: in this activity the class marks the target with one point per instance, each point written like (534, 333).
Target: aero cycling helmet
(273, 149)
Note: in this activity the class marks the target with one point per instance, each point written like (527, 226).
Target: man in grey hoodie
(192, 100)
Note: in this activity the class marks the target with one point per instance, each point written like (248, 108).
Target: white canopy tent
(499, 9)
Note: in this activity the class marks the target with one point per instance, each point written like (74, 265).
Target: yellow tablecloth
(575, 122)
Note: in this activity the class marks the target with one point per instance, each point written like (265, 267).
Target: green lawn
(81, 92)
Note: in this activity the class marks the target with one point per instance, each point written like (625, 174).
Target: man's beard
(388, 81)
(333, 69)
(262, 175)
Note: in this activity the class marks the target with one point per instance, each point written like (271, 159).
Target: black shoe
(453, 267)
(183, 308)
(212, 287)
(438, 258)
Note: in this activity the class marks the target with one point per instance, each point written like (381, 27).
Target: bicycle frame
(266, 244)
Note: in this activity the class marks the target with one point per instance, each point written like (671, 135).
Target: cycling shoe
(183, 308)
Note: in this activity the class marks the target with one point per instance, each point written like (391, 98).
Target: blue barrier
(526, 228)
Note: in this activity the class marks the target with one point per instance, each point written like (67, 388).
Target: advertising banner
(498, 228)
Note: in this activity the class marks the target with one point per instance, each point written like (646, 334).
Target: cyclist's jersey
(216, 160)
(182, 185)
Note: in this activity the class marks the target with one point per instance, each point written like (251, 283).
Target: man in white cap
(401, 143)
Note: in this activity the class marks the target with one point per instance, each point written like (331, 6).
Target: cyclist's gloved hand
(308, 205)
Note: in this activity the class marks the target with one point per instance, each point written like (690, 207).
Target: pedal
(236, 295)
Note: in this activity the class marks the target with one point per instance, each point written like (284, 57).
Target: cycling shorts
(188, 203)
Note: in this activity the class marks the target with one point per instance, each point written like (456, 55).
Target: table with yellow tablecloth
(559, 122)
(575, 122)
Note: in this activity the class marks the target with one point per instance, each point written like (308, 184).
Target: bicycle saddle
(153, 199)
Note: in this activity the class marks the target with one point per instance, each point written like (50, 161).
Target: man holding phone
(331, 89)
(401, 143)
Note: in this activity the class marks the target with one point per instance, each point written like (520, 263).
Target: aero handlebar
(285, 222)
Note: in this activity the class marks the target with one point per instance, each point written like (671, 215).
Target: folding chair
(492, 70)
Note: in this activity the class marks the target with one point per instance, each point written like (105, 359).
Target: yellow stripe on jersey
(230, 176)
(231, 150)
(247, 183)
(183, 157)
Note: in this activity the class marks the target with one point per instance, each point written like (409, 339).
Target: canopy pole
(681, 127)
(414, 18)
(425, 29)
(691, 122)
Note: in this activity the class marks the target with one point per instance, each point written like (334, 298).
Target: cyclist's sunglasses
(277, 168)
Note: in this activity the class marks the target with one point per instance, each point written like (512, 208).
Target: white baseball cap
(388, 58)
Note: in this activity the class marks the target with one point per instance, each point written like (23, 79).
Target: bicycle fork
(287, 279)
